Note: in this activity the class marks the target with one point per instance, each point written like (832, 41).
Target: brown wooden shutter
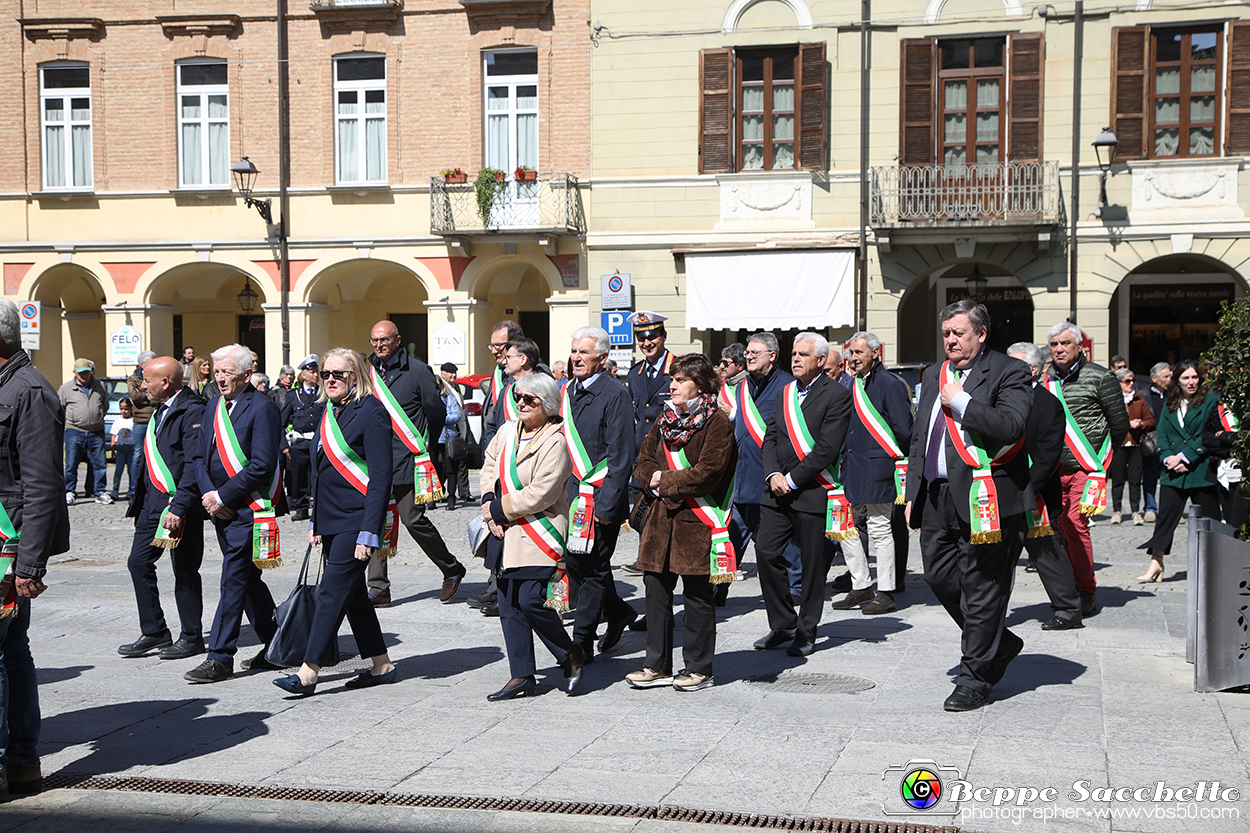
(1130, 63)
(1024, 97)
(916, 143)
(813, 108)
(716, 111)
(1237, 140)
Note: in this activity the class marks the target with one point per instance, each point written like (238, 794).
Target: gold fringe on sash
(723, 578)
(166, 543)
(1041, 531)
(900, 500)
(841, 536)
(991, 537)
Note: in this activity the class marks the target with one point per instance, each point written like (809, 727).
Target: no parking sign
(616, 291)
(30, 313)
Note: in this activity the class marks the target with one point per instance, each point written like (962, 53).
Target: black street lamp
(247, 297)
(1107, 142)
(245, 174)
(976, 283)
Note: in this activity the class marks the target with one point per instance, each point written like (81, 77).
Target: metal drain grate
(70, 781)
(813, 683)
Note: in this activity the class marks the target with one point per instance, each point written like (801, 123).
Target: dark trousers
(298, 472)
(1172, 505)
(1055, 570)
(521, 615)
(596, 596)
(20, 720)
(778, 527)
(744, 523)
(1126, 464)
(973, 582)
(243, 591)
(422, 530)
(342, 593)
(1233, 505)
(698, 644)
(188, 590)
(450, 475)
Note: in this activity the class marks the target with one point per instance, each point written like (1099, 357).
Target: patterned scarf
(677, 429)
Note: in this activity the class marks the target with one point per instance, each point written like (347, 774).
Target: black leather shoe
(183, 649)
(514, 690)
(1010, 648)
(801, 648)
(1057, 623)
(491, 610)
(292, 685)
(841, 584)
(480, 600)
(209, 671)
(774, 639)
(300, 515)
(259, 663)
(572, 666)
(964, 699)
(639, 624)
(145, 645)
(632, 569)
(854, 599)
(613, 630)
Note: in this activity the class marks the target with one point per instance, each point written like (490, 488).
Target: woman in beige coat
(525, 505)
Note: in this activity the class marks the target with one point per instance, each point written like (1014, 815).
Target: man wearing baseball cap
(85, 401)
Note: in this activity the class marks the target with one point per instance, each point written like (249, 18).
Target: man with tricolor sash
(168, 515)
(406, 388)
(34, 525)
(874, 473)
(1095, 423)
(968, 491)
(237, 472)
(803, 501)
(500, 335)
(1043, 440)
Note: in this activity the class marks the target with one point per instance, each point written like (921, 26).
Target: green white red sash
(8, 567)
(510, 410)
(428, 488)
(266, 551)
(1039, 520)
(722, 558)
(581, 536)
(983, 509)
(496, 385)
(728, 398)
(839, 523)
(163, 479)
(356, 472)
(1227, 419)
(542, 532)
(884, 435)
(751, 416)
(1094, 497)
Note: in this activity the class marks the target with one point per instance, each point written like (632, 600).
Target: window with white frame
(511, 79)
(360, 119)
(203, 125)
(65, 114)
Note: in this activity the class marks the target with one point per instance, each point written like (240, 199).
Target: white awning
(773, 290)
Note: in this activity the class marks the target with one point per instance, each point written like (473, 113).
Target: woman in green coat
(1186, 463)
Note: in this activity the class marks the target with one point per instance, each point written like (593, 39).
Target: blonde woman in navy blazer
(348, 524)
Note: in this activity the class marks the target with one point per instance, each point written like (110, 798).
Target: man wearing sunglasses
(411, 382)
(300, 412)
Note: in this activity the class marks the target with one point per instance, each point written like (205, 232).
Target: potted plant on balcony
(488, 185)
(453, 176)
(524, 173)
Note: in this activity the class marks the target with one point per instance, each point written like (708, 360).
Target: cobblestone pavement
(1109, 705)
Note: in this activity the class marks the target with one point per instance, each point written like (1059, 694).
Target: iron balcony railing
(550, 203)
(992, 194)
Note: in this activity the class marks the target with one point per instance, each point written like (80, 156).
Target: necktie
(650, 372)
(578, 390)
(158, 419)
(229, 405)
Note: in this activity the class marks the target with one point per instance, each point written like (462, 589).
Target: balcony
(356, 15)
(547, 207)
(1002, 194)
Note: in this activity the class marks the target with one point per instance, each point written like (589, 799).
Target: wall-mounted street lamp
(1105, 144)
(245, 174)
(247, 297)
(976, 283)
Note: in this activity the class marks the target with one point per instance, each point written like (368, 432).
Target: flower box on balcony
(526, 176)
(456, 179)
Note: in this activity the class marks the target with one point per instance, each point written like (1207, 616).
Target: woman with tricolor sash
(353, 515)
(525, 505)
(688, 460)
(1186, 462)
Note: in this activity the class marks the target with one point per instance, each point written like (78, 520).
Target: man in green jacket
(1096, 405)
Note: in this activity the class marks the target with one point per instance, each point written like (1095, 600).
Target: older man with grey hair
(1156, 397)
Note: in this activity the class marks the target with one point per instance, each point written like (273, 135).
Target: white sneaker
(69, 498)
(105, 499)
(1137, 519)
(1115, 517)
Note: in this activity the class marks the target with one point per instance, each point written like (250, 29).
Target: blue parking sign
(620, 332)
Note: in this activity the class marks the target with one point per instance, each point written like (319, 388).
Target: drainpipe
(864, 99)
(1078, 46)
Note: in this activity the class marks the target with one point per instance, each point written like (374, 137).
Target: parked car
(470, 388)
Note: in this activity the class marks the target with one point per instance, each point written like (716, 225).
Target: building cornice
(185, 25)
(60, 28)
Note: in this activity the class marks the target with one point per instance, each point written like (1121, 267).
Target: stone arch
(72, 298)
(342, 301)
(733, 14)
(933, 10)
(513, 282)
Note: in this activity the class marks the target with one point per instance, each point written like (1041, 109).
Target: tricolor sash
(428, 488)
(542, 532)
(983, 510)
(266, 552)
(722, 558)
(509, 403)
(884, 435)
(163, 479)
(1094, 497)
(1227, 420)
(1039, 520)
(8, 567)
(751, 416)
(356, 472)
(839, 523)
(728, 398)
(581, 536)
(496, 385)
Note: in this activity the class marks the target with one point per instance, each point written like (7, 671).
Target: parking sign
(30, 325)
(620, 331)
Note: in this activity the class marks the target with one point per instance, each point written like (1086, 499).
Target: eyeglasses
(528, 400)
(757, 352)
(725, 362)
(495, 348)
(340, 375)
(382, 340)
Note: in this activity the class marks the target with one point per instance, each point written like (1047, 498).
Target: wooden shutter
(916, 144)
(716, 111)
(1238, 130)
(813, 108)
(1130, 83)
(1024, 97)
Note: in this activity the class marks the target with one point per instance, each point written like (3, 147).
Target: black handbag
(641, 511)
(295, 618)
(457, 448)
(1149, 443)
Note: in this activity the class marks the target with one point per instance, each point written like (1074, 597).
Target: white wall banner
(772, 290)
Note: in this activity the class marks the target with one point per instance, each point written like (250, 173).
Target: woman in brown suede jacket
(689, 454)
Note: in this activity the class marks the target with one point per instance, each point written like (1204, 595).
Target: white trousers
(880, 538)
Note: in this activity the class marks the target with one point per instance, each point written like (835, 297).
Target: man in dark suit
(1043, 440)
(229, 499)
(987, 395)
(411, 382)
(175, 427)
(502, 333)
(603, 421)
(299, 420)
(796, 500)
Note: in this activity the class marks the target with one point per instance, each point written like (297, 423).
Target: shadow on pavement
(60, 675)
(447, 663)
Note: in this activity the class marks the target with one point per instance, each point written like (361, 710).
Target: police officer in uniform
(648, 381)
(299, 420)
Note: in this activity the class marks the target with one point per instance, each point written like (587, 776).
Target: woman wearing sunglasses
(525, 505)
(353, 440)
